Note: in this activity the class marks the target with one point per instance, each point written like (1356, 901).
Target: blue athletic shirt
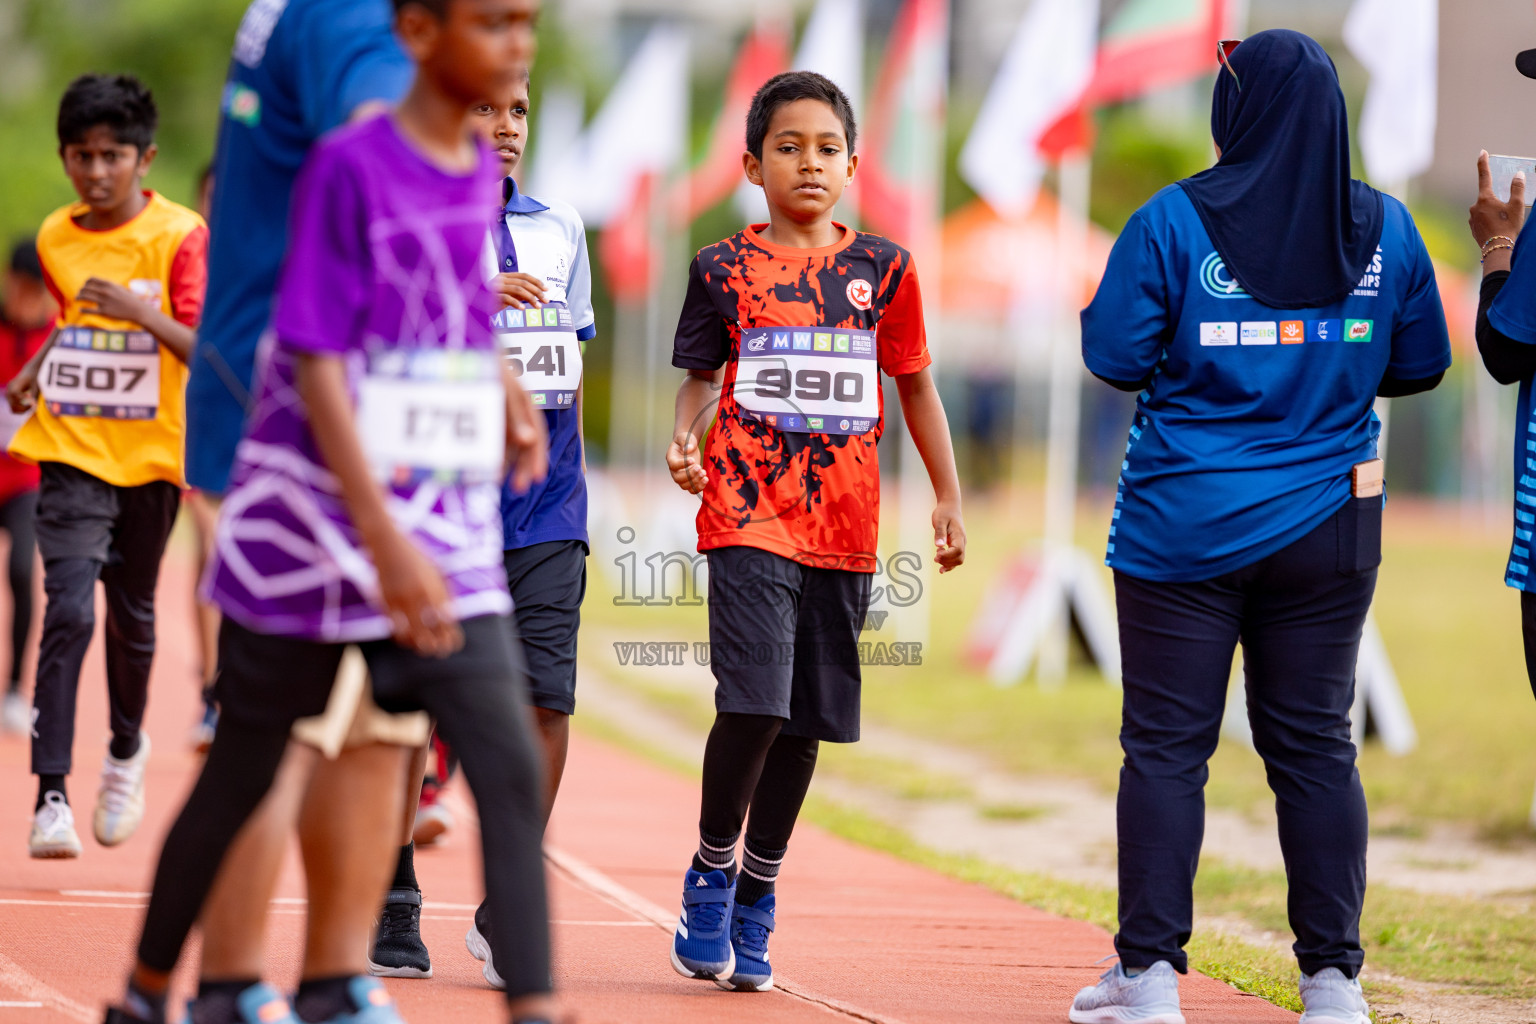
(1513, 314)
(549, 241)
(299, 69)
(1244, 440)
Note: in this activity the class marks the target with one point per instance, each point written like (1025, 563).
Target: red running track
(862, 936)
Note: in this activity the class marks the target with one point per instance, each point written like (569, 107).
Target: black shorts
(548, 582)
(273, 681)
(784, 641)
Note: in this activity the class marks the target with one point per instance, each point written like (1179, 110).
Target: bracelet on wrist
(1489, 246)
(1493, 249)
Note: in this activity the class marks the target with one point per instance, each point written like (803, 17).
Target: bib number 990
(810, 385)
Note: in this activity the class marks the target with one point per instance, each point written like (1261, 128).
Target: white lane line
(109, 894)
(6, 1004)
(15, 977)
(585, 876)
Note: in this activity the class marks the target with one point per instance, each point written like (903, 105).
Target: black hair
(787, 88)
(437, 8)
(120, 102)
(24, 259)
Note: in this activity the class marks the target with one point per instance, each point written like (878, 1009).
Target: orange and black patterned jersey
(804, 336)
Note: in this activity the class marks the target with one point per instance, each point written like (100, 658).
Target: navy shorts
(784, 641)
(548, 582)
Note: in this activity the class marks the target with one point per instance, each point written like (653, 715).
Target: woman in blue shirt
(1259, 307)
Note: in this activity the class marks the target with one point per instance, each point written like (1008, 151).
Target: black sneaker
(398, 951)
(478, 941)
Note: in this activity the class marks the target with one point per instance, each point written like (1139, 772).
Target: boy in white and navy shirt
(536, 257)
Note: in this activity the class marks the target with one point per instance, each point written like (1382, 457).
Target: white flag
(832, 45)
(1398, 41)
(640, 128)
(1043, 75)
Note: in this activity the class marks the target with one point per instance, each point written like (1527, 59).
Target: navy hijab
(1292, 227)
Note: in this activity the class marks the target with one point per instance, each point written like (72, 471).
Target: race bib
(111, 374)
(433, 413)
(541, 347)
(809, 380)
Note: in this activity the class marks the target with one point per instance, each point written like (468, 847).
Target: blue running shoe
(749, 941)
(374, 1006)
(259, 1004)
(1152, 997)
(701, 947)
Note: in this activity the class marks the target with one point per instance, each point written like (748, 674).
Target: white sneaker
(120, 801)
(1152, 997)
(432, 822)
(1331, 998)
(53, 829)
(15, 714)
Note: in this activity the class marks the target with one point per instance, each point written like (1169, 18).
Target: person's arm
(1508, 359)
(924, 414)
(1126, 385)
(414, 593)
(1393, 387)
(115, 301)
(699, 393)
(21, 391)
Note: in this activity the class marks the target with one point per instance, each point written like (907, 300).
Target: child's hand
(518, 290)
(22, 391)
(415, 597)
(683, 460)
(948, 537)
(527, 437)
(113, 300)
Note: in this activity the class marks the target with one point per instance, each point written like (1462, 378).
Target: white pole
(1074, 176)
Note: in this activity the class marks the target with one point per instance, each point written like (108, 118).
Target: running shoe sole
(380, 971)
(54, 852)
(481, 950)
(689, 972)
(734, 985)
(1121, 1015)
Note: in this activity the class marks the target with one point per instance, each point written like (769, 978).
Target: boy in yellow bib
(127, 267)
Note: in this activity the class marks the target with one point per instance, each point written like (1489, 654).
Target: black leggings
(17, 518)
(477, 698)
(749, 763)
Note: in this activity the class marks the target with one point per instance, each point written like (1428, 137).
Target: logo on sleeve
(1259, 333)
(1358, 330)
(1292, 332)
(861, 293)
(1325, 330)
(1217, 281)
(1218, 334)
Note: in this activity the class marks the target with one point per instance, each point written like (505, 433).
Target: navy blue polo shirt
(1513, 314)
(299, 69)
(1244, 440)
(549, 241)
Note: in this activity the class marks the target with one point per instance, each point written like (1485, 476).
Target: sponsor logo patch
(823, 342)
(840, 343)
(780, 339)
(1325, 330)
(1217, 281)
(1358, 330)
(803, 340)
(1218, 334)
(1259, 333)
(1292, 332)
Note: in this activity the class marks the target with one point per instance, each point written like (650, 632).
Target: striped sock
(759, 872)
(716, 853)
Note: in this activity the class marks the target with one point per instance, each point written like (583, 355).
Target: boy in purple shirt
(364, 502)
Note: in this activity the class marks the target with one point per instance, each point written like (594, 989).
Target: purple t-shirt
(385, 271)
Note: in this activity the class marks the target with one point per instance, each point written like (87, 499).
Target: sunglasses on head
(1224, 57)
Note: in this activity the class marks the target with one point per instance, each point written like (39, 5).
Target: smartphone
(1504, 169)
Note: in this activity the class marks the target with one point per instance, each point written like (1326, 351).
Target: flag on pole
(1398, 41)
(1044, 75)
(640, 129)
(831, 45)
(762, 56)
(899, 181)
(1153, 43)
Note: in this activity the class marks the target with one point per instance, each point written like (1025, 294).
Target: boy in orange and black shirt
(785, 332)
(127, 268)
